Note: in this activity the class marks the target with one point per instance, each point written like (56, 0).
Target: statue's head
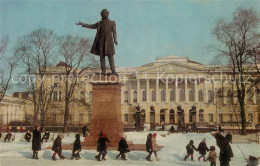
(104, 13)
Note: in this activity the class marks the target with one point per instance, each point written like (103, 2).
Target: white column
(186, 90)
(138, 91)
(147, 91)
(254, 96)
(176, 92)
(157, 90)
(205, 92)
(214, 92)
(196, 90)
(130, 93)
(167, 90)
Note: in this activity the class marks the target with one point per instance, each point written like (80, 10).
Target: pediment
(172, 68)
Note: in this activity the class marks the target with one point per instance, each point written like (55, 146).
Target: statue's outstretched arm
(90, 26)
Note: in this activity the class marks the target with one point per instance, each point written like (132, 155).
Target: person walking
(36, 142)
(190, 150)
(212, 156)
(76, 148)
(202, 148)
(226, 152)
(122, 148)
(155, 146)
(57, 148)
(149, 147)
(102, 146)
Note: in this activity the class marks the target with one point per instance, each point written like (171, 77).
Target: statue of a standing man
(104, 41)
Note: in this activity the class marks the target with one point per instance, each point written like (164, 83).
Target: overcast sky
(145, 29)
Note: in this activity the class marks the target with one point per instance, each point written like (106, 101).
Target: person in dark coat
(226, 152)
(102, 146)
(28, 136)
(149, 147)
(190, 150)
(229, 137)
(104, 41)
(84, 130)
(57, 148)
(122, 148)
(202, 148)
(172, 129)
(46, 136)
(76, 148)
(0, 135)
(36, 142)
(8, 136)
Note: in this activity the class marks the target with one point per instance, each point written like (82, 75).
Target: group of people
(225, 155)
(151, 146)
(7, 137)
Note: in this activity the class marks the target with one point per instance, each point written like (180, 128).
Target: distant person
(149, 147)
(226, 152)
(102, 146)
(172, 129)
(202, 148)
(155, 146)
(0, 135)
(46, 136)
(163, 127)
(190, 150)
(219, 128)
(84, 130)
(57, 148)
(122, 148)
(229, 137)
(76, 148)
(212, 156)
(28, 136)
(8, 136)
(36, 142)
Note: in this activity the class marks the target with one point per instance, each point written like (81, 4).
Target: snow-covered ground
(19, 153)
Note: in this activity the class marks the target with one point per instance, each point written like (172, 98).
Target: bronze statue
(104, 41)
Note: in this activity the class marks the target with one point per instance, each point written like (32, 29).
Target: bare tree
(76, 57)
(8, 64)
(237, 39)
(36, 52)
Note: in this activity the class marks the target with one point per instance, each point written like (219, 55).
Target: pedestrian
(212, 156)
(149, 147)
(172, 129)
(36, 142)
(57, 148)
(122, 148)
(76, 148)
(155, 146)
(28, 136)
(102, 146)
(8, 136)
(229, 137)
(226, 152)
(0, 135)
(84, 130)
(202, 148)
(190, 150)
(46, 136)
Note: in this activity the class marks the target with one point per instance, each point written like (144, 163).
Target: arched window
(172, 95)
(172, 116)
(201, 116)
(153, 95)
(182, 95)
(90, 94)
(82, 95)
(229, 97)
(191, 95)
(163, 95)
(210, 96)
(249, 95)
(135, 96)
(144, 95)
(200, 95)
(220, 96)
(126, 96)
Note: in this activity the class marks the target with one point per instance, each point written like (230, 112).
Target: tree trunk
(66, 117)
(243, 117)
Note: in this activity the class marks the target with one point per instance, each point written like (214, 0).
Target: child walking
(57, 147)
(190, 150)
(76, 148)
(212, 156)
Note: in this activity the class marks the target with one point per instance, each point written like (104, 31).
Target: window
(82, 95)
(191, 95)
(230, 117)
(172, 95)
(125, 117)
(135, 96)
(229, 97)
(90, 96)
(126, 96)
(144, 95)
(201, 116)
(210, 96)
(250, 117)
(163, 95)
(200, 95)
(54, 116)
(258, 97)
(56, 85)
(220, 97)
(55, 96)
(59, 95)
(220, 117)
(182, 95)
(153, 95)
(210, 117)
(80, 117)
(249, 95)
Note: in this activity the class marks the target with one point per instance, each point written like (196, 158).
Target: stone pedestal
(106, 110)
